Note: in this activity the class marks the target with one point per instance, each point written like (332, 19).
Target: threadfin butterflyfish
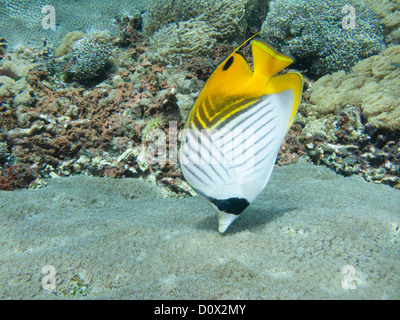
(236, 127)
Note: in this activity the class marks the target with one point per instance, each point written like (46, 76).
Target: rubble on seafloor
(52, 128)
(369, 152)
(352, 148)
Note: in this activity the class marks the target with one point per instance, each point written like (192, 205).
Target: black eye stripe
(227, 64)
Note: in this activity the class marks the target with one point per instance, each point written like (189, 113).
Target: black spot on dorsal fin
(227, 64)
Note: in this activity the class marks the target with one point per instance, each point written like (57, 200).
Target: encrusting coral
(312, 32)
(226, 16)
(373, 85)
(66, 45)
(21, 20)
(389, 11)
(172, 43)
(184, 29)
(351, 121)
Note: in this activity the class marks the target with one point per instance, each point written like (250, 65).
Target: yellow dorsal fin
(225, 87)
(228, 77)
(233, 85)
(267, 61)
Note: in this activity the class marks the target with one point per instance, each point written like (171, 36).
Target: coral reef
(14, 93)
(312, 32)
(389, 11)
(374, 155)
(8, 73)
(16, 177)
(293, 147)
(373, 85)
(21, 20)
(3, 152)
(90, 56)
(131, 28)
(171, 44)
(3, 48)
(160, 13)
(66, 45)
(351, 121)
(228, 17)
(60, 129)
(107, 121)
(20, 61)
(184, 29)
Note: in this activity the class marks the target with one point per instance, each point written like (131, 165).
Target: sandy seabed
(311, 234)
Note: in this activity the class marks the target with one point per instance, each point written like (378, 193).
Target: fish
(233, 133)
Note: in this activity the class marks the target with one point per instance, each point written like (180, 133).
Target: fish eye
(227, 64)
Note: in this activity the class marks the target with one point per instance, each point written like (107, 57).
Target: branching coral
(312, 32)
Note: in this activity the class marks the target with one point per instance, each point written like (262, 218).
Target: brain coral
(21, 20)
(312, 32)
(373, 85)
